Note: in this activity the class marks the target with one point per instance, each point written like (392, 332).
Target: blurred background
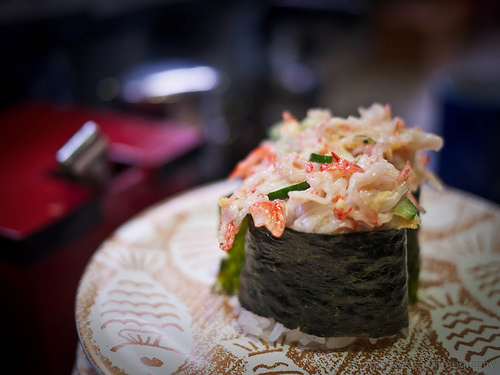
(178, 92)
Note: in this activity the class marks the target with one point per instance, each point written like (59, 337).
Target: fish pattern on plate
(145, 304)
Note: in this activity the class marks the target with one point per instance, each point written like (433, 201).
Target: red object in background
(33, 197)
(50, 226)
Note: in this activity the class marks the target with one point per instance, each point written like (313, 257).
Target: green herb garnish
(318, 158)
(283, 193)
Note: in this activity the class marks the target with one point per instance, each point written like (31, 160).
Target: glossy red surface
(38, 298)
(32, 196)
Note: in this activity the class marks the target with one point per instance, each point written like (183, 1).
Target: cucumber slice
(405, 209)
(318, 158)
(283, 193)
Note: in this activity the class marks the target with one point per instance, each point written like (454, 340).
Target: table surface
(145, 305)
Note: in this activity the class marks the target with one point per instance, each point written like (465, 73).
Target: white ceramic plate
(144, 304)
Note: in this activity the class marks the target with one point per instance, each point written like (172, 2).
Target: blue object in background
(470, 159)
(470, 98)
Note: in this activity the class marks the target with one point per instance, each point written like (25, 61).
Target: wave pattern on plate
(144, 304)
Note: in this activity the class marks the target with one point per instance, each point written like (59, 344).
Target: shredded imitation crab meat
(373, 162)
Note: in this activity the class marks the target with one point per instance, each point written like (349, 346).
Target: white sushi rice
(254, 326)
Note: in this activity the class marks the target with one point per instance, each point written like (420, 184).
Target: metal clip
(84, 158)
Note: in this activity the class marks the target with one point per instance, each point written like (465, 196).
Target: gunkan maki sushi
(326, 204)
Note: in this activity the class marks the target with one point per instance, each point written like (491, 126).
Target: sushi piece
(328, 203)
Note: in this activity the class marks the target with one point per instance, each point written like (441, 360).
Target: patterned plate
(144, 304)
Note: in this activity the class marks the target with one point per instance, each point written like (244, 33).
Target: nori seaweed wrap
(413, 262)
(413, 259)
(344, 285)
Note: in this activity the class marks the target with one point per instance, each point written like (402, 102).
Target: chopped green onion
(318, 158)
(283, 193)
(405, 209)
(356, 161)
(366, 139)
